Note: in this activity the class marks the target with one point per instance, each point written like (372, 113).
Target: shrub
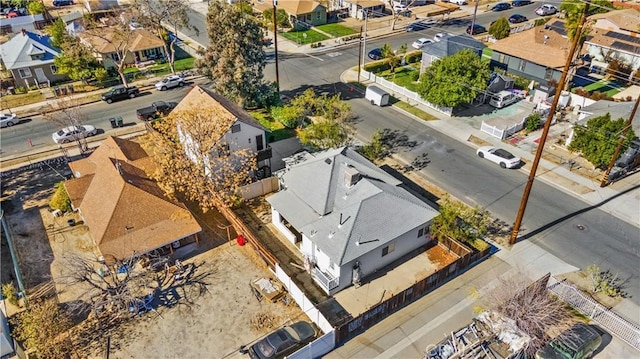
(60, 199)
(532, 122)
(415, 76)
(413, 57)
(500, 28)
(288, 116)
(9, 292)
(377, 67)
(101, 74)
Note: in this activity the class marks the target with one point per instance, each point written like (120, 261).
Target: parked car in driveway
(546, 9)
(375, 54)
(578, 342)
(418, 44)
(8, 119)
(283, 341)
(503, 99)
(170, 82)
(498, 155)
(517, 18)
(516, 3)
(501, 6)
(72, 133)
(477, 29)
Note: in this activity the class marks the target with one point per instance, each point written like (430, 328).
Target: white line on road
(315, 57)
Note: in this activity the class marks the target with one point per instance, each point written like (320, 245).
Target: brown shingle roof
(531, 45)
(627, 19)
(125, 210)
(140, 39)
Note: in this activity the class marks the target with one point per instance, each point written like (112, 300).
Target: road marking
(314, 57)
(334, 54)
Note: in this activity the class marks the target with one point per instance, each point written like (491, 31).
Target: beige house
(302, 13)
(139, 45)
(126, 211)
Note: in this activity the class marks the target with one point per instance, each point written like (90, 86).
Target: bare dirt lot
(214, 323)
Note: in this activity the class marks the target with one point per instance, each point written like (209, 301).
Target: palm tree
(390, 57)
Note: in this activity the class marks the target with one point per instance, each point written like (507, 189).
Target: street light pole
(364, 37)
(275, 44)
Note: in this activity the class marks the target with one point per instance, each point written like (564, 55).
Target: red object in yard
(241, 240)
(537, 140)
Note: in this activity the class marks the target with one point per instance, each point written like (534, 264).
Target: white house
(245, 132)
(348, 217)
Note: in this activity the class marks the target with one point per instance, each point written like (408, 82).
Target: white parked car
(498, 155)
(437, 37)
(503, 99)
(8, 119)
(399, 8)
(170, 82)
(418, 44)
(458, 2)
(546, 9)
(72, 133)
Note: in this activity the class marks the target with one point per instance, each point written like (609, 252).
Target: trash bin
(11, 90)
(113, 122)
(63, 90)
(56, 91)
(119, 121)
(70, 88)
(71, 222)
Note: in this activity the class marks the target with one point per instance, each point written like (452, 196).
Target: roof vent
(331, 234)
(313, 232)
(119, 167)
(351, 176)
(327, 161)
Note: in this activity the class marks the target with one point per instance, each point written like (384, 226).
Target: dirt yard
(215, 323)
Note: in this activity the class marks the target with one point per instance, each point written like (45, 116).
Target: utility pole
(473, 19)
(627, 126)
(547, 124)
(364, 40)
(275, 44)
(360, 54)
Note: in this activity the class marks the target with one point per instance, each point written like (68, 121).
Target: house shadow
(347, 92)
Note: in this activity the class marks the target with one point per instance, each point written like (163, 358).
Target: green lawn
(402, 77)
(486, 54)
(274, 128)
(299, 36)
(9, 101)
(180, 65)
(336, 30)
(604, 86)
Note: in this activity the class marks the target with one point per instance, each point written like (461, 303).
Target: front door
(40, 76)
(259, 144)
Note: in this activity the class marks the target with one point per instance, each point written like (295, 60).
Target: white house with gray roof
(348, 217)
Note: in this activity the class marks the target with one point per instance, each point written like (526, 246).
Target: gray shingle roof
(452, 44)
(16, 53)
(318, 202)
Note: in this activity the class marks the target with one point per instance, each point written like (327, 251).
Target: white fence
(259, 188)
(618, 326)
(397, 89)
(325, 343)
(502, 133)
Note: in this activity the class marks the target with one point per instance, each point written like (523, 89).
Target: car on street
(120, 92)
(498, 155)
(72, 133)
(501, 6)
(375, 54)
(517, 18)
(170, 82)
(516, 3)
(62, 2)
(156, 110)
(418, 44)
(546, 9)
(477, 29)
(577, 342)
(420, 25)
(437, 37)
(283, 341)
(8, 119)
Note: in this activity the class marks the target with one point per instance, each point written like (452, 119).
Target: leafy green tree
(598, 140)
(376, 148)
(282, 18)
(288, 116)
(41, 327)
(461, 222)
(58, 33)
(60, 199)
(36, 7)
(235, 58)
(325, 134)
(532, 122)
(153, 13)
(76, 62)
(454, 80)
(390, 57)
(500, 28)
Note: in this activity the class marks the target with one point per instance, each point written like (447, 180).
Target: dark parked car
(62, 2)
(501, 6)
(157, 109)
(283, 341)
(517, 18)
(578, 342)
(516, 3)
(121, 92)
(375, 54)
(477, 29)
(420, 25)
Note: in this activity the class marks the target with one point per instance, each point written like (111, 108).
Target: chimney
(119, 167)
(351, 176)
(24, 32)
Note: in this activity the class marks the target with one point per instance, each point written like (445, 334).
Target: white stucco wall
(245, 138)
(276, 219)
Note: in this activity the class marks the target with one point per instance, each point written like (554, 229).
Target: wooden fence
(379, 312)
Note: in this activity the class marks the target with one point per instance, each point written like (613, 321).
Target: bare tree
(195, 159)
(536, 312)
(396, 10)
(68, 113)
(155, 13)
(117, 33)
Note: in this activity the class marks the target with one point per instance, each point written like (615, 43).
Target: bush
(377, 67)
(101, 74)
(500, 28)
(60, 199)
(532, 122)
(288, 116)
(9, 292)
(413, 57)
(415, 76)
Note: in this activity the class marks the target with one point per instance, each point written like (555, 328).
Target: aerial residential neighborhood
(319, 179)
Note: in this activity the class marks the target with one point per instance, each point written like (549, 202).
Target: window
(235, 128)
(54, 69)
(522, 65)
(24, 73)
(388, 249)
(318, 15)
(548, 74)
(420, 232)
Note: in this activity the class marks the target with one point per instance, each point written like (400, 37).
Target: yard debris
(264, 321)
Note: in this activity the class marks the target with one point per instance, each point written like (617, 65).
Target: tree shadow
(347, 92)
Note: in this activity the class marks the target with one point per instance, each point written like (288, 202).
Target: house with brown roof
(141, 45)
(244, 131)
(538, 54)
(357, 8)
(614, 35)
(302, 13)
(125, 210)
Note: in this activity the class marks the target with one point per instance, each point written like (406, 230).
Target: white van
(377, 96)
(503, 98)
